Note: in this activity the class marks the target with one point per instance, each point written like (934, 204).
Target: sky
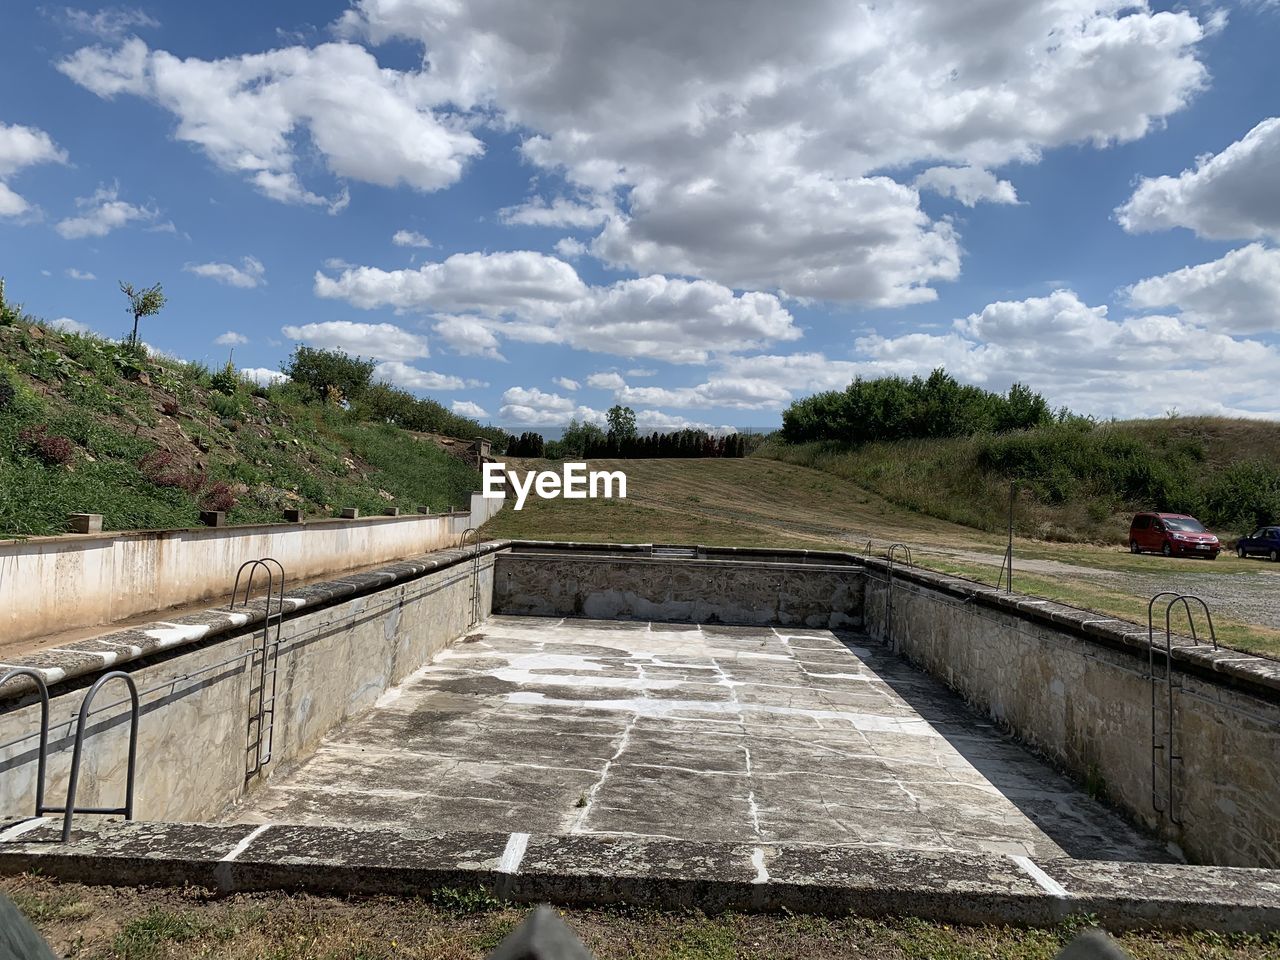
(533, 211)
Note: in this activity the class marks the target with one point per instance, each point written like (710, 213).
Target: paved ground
(710, 733)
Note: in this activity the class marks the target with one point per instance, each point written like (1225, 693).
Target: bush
(894, 408)
(164, 469)
(330, 376)
(219, 497)
(226, 380)
(50, 449)
(1243, 496)
(7, 393)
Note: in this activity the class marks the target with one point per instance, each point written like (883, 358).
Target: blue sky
(702, 211)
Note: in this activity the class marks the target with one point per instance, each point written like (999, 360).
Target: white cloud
(969, 185)
(465, 408)
(530, 296)
(521, 281)
(405, 375)
(529, 406)
(103, 212)
(561, 212)
(251, 273)
(641, 372)
(1238, 293)
(251, 114)
(110, 23)
(22, 147)
(75, 274)
(1234, 195)
(409, 238)
(231, 339)
(606, 381)
(264, 376)
(382, 341)
(67, 325)
(469, 336)
(564, 383)
(570, 248)
(1077, 355)
(757, 162)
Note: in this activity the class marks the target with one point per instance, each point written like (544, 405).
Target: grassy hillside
(754, 502)
(1077, 482)
(87, 426)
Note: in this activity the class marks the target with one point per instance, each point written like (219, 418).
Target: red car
(1172, 534)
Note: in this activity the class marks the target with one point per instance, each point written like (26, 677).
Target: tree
(146, 302)
(580, 438)
(622, 422)
(330, 375)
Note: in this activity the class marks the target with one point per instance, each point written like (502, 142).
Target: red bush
(219, 497)
(52, 449)
(165, 470)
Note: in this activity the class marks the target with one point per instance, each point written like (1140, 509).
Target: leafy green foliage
(226, 381)
(894, 408)
(383, 403)
(330, 376)
(87, 425)
(622, 422)
(143, 302)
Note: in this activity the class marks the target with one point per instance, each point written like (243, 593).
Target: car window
(1260, 533)
(1141, 523)
(1186, 525)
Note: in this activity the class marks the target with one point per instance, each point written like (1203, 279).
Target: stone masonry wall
(1076, 686)
(693, 591)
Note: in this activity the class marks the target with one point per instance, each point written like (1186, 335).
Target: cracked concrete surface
(709, 733)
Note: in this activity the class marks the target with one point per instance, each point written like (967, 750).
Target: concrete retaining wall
(1076, 687)
(337, 657)
(640, 587)
(49, 584)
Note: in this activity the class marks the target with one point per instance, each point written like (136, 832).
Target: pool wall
(49, 584)
(347, 642)
(1076, 687)
(755, 588)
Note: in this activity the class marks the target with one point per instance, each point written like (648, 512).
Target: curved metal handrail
(73, 784)
(1186, 600)
(43, 755)
(906, 551)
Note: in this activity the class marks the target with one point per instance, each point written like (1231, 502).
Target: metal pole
(1013, 493)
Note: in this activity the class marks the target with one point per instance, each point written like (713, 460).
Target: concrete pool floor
(691, 732)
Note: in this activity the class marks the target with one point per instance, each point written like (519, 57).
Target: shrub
(165, 470)
(51, 449)
(894, 408)
(330, 376)
(219, 497)
(224, 406)
(7, 393)
(225, 381)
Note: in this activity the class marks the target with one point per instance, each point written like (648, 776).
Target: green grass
(1116, 603)
(272, 449)
(98, 923)
(1075, 485)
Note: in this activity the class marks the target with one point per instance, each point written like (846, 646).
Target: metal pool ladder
(70, 809)
(1162, 740)
(475, 571)
(890, 555)
(262, 717)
